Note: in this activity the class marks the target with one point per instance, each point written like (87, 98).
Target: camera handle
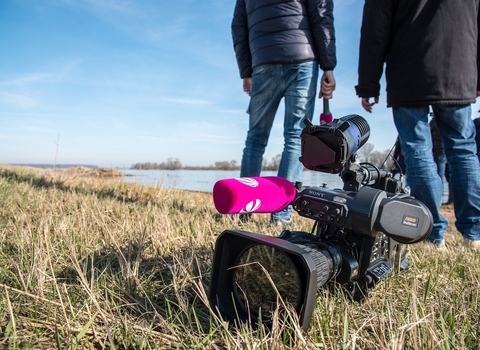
(353, 175)
(357, 175)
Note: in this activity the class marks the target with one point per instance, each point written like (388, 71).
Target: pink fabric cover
(267, 194)
(326, 118)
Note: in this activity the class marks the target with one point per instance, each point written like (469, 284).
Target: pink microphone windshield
(268, 194)
(326, 118)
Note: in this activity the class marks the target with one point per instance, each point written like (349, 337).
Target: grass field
(91, 263)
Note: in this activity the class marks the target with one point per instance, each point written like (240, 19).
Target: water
(203, 180)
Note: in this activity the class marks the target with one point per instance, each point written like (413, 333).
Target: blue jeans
(458, 136)
(297, 84)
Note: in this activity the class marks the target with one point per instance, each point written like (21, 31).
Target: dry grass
(91, 263)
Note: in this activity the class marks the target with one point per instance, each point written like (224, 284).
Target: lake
(203, 180)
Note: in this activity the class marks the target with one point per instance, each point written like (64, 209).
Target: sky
(113, 83)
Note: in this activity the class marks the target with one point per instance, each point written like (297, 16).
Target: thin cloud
(171, 28)
(28, 79)
(57, 73)
(18, 100)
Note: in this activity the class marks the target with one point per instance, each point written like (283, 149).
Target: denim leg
(301, 86)
(267, 91)
(422, 177)
(458, 136)
(301, 81)
(270, 83)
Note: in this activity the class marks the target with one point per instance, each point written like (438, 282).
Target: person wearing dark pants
(430, 49)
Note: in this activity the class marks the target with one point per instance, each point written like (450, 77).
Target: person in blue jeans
(279, 46)
(430, 51)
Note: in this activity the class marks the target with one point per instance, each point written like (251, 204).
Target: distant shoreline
(57, 166)
(66, 166)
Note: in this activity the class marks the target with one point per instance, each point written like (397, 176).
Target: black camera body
(358, 238)
(363, 232)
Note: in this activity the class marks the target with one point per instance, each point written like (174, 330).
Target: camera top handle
(366, 174)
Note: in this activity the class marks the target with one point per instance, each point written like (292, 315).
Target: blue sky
(117, 82)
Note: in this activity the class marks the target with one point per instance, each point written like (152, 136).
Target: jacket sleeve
(240, 40)
(375, 38)
(320, 13)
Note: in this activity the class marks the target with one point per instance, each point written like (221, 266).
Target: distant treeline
(367, 153)
(176, 164)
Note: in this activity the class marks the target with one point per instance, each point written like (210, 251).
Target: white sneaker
(438, 246)
(441, 247)
(473, 245)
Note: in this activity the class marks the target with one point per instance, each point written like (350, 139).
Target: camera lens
(263, 276)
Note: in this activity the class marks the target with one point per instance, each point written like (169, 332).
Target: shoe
(441, 247)
(282, 223)
(242, 218)
(473, 245)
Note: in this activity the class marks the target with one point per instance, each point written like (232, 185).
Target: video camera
(357, 240)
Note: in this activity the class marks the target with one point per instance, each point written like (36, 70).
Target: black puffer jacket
(283, 31)
(430, 50)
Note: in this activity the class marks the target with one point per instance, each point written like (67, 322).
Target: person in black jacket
(279, 45)
(430, 49)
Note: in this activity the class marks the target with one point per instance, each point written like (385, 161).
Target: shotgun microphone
(267, 194)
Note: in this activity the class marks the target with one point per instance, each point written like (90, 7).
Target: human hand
(478, 93)
(327, 85)
(367, 105)
(247, 86)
